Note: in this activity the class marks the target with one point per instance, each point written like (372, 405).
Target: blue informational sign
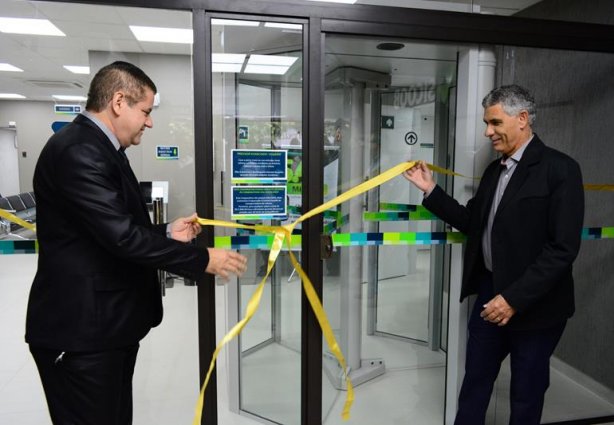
(57, 125)
(167, 152)
(258, 202)
(259, 166)
(67, 109)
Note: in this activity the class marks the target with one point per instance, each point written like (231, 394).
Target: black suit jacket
(96, 286)
(535, 236)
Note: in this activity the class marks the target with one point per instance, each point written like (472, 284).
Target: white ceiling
(105, 28)
(87, 27)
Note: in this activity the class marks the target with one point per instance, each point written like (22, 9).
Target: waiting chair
(14, 205)
(30, 203)
(5, 225)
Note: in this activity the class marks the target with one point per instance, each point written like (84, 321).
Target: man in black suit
(96, 292)
(523, 230)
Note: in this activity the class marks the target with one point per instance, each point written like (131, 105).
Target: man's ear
(523, 119)
(116, 101)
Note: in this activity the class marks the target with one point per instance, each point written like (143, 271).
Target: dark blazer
(96, 286)
(535, 236)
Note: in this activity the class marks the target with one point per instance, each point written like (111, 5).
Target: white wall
(9, 166)
(173, 125)
(33, 122)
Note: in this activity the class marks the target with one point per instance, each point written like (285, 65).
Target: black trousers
(88, 388)
(487, 347)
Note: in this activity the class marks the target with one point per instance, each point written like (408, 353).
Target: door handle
(326, 247)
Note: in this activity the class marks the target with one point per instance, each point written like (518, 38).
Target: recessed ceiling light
(11, 96)
(227, 57)
(269, 64)
(337, 1)
(226, 67)
(9, 67)
(272, 60)
(163, 35)
(78, 69)
(266, 69)
(227, 62)
(69, 97)
(234, 22)
(283, 25)
(29, 26)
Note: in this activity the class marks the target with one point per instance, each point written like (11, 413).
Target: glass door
(257, 126)
(385, 102)
(406, 132)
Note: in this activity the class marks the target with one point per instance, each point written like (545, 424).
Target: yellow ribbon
(600, 187)
(12, 217)
(283, 233)
(597, 187)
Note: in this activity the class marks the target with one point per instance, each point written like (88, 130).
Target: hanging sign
(67, 109)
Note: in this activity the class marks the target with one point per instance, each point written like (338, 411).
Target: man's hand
(185, 229)
(222, 262)
(498, 311)
(421, 177)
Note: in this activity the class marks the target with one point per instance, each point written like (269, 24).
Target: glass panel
(166, 378)
(383, 107)
(257, 110)
(573, 100)
(403, 286)
(444, 266)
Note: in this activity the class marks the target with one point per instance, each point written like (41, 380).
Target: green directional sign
(167, 152)
(388, 121)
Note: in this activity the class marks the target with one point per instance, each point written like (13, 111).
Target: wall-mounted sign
(387, 121)
(295, 172)
(67, 109)
(258, 202)
(243, 134)
(57, 125)
(411, 138)
(167, 152)
(258, 166)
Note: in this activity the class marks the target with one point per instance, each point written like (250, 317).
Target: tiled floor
(166, 390)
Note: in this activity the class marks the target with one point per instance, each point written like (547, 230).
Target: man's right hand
(223, 262)
(421, 177)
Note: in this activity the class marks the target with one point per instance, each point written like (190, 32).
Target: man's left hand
(498, 311)
(185, 229)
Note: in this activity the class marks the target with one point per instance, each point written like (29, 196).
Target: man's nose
(488, 131)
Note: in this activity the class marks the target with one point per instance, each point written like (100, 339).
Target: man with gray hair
(523, 230)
